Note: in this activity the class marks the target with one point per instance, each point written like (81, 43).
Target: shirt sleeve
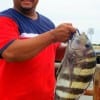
(8, 32)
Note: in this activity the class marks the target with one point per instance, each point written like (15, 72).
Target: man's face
(25, 4)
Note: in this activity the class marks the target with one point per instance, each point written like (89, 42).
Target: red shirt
(32, 79)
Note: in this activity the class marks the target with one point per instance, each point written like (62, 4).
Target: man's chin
(26, 8)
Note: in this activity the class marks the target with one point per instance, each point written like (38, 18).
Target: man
(28, 45)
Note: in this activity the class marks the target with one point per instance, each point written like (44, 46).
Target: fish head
(81, 45)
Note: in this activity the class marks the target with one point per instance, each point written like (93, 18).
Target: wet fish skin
(76, 70)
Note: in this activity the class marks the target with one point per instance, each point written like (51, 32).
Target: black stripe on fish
(77, 78)
(61, 98)
(89, 65)
(86, 65)
(74, 91)
(84, 79)
(91, 54)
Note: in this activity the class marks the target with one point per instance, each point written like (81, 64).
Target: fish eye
(87, 45)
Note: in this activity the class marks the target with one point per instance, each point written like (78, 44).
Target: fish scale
(77, 68)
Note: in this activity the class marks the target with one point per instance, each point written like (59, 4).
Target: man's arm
(22, 49)
(25, 49)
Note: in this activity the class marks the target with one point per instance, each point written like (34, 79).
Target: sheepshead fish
(77, 68)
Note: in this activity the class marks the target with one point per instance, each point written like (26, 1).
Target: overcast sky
(83, 14)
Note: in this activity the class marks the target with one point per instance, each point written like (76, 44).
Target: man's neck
(29, 13)
(32, 15)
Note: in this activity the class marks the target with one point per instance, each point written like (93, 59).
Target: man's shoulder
(8, 15)
(46, 19)
(6, 12)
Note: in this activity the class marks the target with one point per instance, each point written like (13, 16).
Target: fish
(77, 68)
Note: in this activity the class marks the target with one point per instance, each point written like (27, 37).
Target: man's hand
(63, 32)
